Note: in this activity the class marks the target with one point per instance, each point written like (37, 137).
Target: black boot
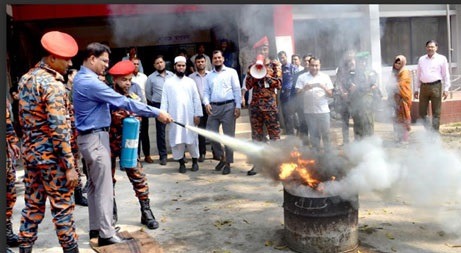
(194, 164)
(147, 217)
(79, 198)
(12, 239)
(72, 250)
(25, 249)
(252, 172)
(114, 214)
(182, 166)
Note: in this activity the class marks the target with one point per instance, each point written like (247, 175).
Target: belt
(94, 130)
(222, 103)
(436, 82)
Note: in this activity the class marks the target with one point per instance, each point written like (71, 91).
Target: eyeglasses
(106, 61)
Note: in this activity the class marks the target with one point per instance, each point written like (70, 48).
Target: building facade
(325, 31)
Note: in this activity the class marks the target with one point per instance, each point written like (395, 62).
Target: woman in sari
(402, 98)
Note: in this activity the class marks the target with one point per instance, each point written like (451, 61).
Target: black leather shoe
(252, 172)
(220, 165)
(194, 166)
(201, 158)
(163, 161)
(94, 234)
(226, 169)
(182, 168)
(109, 241)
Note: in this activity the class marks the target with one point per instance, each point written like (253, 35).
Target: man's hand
(164, 117)
(308, 86)
(237, 113)
(72, 178)
(196, 120)
(416, 95)
(243, 101)
(208, 109)
(445, 95)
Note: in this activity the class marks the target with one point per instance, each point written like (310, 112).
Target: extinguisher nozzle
(177, 123)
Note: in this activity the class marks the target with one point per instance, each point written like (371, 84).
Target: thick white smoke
(425, 175)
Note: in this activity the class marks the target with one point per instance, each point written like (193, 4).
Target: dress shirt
(433, 69)
(299, 68)
(222, 86)
(200, 82)
(315, 99)
(154, 86)
(141, 79)
(92, 99)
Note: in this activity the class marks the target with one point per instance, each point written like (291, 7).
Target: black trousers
(201, 139)
(160, 132)
(144, 141)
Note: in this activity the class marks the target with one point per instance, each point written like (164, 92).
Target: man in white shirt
(433, 83)
(316, 87)
(181, 99)
(222, 99)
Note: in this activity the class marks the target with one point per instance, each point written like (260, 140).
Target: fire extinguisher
(130, 140)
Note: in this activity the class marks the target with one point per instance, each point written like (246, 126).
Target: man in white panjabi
(181, 99)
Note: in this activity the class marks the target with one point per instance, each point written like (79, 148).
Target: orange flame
(300, 169)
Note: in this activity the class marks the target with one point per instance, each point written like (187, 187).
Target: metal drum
(320, 225)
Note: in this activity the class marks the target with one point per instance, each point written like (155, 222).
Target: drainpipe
(449, 38)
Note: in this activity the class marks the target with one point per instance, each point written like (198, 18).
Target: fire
(300, 169)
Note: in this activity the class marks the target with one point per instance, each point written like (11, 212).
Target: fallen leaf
(221, 223)
(268, 243)
(281, 247)
(244, 220)
(390, 236)
(393, 249)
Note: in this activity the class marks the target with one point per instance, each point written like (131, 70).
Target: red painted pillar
(283, 29)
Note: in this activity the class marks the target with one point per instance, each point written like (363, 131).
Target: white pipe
(449, 37)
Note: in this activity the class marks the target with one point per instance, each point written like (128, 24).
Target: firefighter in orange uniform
(12, 153)
(47, 153)
(263, 106)
(121, 73)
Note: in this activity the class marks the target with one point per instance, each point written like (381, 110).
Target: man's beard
(218, 68)
(180, 74)
(160, 71)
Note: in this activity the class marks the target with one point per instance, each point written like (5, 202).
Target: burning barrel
(320, 224)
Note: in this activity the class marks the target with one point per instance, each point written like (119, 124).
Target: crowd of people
(61, 115)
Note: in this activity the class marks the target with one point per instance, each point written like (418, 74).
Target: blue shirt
(93, 97)
(154, 86)
(222, 86)
(288, 90)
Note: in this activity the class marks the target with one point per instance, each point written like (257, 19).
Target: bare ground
(205, 211)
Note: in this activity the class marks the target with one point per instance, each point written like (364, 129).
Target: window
(329, 39)
(408, 36)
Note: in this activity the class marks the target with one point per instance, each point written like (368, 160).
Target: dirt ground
(205, 211)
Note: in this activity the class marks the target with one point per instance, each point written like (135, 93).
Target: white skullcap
(179, 58)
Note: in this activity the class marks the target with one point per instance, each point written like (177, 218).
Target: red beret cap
(122, 68)
(59, 44)
(262, 42)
